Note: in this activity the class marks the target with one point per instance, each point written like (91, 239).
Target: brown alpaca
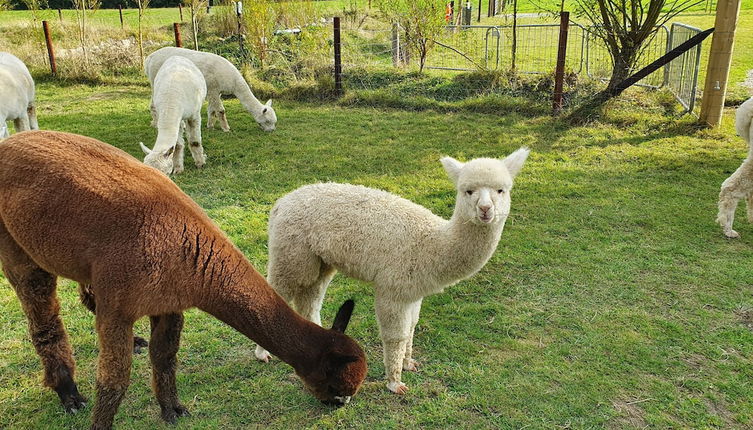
(75, 207)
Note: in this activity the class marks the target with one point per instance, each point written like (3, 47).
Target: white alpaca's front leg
(394, 328)
(409, 364)
(180, 146)
(31, 111)
(194, 140)
(21, 123)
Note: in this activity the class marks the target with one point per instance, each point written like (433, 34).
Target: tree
(196, 9)
(142, 5)
(626, 27)
(422, 21)
(83, 9)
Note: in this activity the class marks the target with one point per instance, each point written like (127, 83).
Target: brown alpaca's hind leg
(87, 299)
(115, 337)
(163, 347)
(36, 289)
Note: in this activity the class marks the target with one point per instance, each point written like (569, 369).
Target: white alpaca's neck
(168, 128)
(463, 247)
(246, 97)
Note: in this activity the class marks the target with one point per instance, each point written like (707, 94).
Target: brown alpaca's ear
(343, 316)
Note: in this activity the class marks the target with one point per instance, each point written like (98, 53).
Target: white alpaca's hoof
(262, 355)
(177, 170)
(411, 365)
(397, 387)
(731, 234)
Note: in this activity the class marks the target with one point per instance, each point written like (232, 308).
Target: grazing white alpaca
(740, 184)
(177, 95)
(406, 251)
(221, 78)
(16, 95)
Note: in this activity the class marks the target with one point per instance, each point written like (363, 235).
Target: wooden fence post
(50, 51)
(120, 10)
(720, 58)
(395, 45)
(176, 31)
(559, 73)
(338, 59)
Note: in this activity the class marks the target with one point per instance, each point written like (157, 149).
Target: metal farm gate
(476, 47)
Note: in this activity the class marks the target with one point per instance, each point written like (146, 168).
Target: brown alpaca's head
(337, 371)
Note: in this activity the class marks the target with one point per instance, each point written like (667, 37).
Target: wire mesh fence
(528, 49)
(681, 74)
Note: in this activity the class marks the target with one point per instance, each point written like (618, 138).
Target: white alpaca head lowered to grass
(483, 186)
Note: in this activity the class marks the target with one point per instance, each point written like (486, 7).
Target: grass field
(612, 301)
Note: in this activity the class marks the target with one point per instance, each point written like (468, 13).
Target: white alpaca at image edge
(221, 77)
(177, 95)
(16, 96)
(740, 184)
(402, 248)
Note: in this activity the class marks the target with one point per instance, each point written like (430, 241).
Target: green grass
(612, 301)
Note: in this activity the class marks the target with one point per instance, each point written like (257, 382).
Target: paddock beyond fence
(471, 48)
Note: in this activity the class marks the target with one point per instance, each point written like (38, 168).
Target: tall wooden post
(559, 72)
(338, 63)
(176, 31)
(120, 11)
(720, 58)
(50, 51)
(180, 9)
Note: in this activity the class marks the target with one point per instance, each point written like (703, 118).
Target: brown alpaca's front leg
(163, 348)
(87, 299)
(36, 289)
(113, 368)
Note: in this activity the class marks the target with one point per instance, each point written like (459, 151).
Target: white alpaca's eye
(500, 191)
(469, 192)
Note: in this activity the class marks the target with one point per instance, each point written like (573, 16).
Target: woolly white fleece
(740, 184)
(405, 250)
(177, 95)
(17, 90)
(221, 78)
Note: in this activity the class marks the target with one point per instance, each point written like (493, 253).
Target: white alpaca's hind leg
(733, 190)
(395, 320)
(749, 206)
(294, 272)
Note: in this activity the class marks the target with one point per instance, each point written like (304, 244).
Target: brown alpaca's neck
(240, 297)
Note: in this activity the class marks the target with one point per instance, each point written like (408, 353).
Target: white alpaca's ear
(452, 167)
(268, 103)
(169, 152)
(514, 162)
(146, 150)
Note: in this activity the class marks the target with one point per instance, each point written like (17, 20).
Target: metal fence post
(60, 15)
(180, 9)
(176, 31)
(559, 73)
(120, 10)
(50, 51)
(338, 64)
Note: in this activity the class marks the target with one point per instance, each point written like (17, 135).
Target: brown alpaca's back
(96, 211)
(75, 207)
